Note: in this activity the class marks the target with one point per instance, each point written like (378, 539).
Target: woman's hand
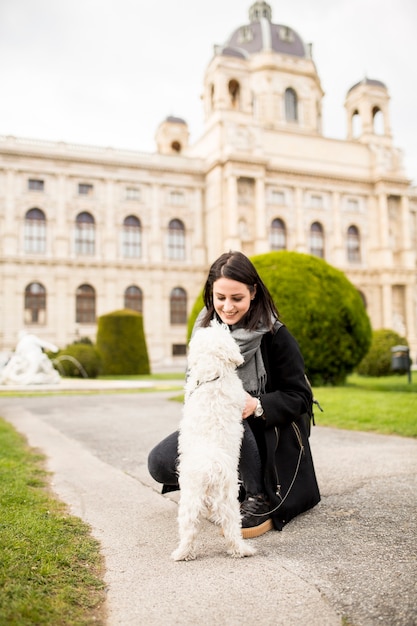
(250, 406)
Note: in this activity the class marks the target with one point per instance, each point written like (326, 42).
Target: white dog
(210, 437)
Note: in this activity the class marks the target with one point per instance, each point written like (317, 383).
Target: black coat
(282, 438)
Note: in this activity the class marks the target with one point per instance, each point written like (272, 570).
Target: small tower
(172, 136)
(367, 108)
(258, 10)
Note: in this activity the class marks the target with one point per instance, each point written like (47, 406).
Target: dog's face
(213, 348)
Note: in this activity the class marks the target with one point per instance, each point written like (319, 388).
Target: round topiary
(121, 343)
(377, 361)
(320, 307)
(78, 360)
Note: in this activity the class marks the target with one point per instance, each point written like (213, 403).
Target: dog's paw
(181, 555)
(241, 551)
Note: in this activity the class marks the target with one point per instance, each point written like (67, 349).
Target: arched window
(85, 234)
(317, 240)
(212, 92)
(356, 125)
(176, 240)
(234, 93)
(378, 121)
(35, 232)
(134, 299)
(353, 244)
(291, 105)
(131, 238)
(35, 304)
(362, 295)
(85, 305)
(178, 306)
(278, 235)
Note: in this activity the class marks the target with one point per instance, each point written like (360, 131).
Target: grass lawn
(385, 405)
(51, 569)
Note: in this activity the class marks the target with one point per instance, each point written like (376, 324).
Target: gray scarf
(252, 371)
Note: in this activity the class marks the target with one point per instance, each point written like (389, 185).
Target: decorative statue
(29, 365)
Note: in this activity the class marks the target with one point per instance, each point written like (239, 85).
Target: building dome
(262, 35)
(372, 82)
(172, 119)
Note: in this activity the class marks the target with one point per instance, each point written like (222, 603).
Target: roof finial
(258, 10)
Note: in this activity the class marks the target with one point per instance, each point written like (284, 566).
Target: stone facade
(85, 231)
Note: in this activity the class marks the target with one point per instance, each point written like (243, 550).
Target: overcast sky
(107, 72)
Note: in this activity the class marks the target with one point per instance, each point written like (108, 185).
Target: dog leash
(288, 490)
(202, 382)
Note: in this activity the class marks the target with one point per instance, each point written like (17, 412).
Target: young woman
(276, 468)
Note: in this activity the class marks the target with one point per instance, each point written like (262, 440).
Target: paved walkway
(353, 557)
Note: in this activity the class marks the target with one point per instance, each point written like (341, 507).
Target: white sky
(107, 72)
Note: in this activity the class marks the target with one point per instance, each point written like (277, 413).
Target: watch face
(259, 410)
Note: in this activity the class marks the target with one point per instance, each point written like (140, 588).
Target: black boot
(256, 518)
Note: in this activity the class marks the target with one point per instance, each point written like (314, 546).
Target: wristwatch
(259, 412)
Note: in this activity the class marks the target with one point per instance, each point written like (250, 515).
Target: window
(85, 305)
(35, 304)
(378, 121)
(278, 235)
(317, 240)
(234, 92)
(176, 198)
(277, 197)
(131, 238)
(134, 299)
(85, 189)
(35, 232)
(178, 306)
(245, 34)
(85, 234)
(179, 349)
(353, 244)
(352, 204)
(133, 193)
(286, 34)
(34, 184)
(291, 105)
(356, 125)
(316, 201)
(176, 240)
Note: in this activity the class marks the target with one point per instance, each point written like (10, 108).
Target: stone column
(261, 234)
(231, 215)
(338, 237)
(157, 229)
(300, 242)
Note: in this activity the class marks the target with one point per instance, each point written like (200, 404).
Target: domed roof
(175, 120)
(368, 81)
(262, 35)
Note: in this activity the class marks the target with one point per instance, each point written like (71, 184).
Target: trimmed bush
(121, 343)
(377, 362)
(320, 307)
(78, 360)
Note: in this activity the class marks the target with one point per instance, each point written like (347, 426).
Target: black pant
(163, 461)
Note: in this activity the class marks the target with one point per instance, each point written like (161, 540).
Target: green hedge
(377, 361)
(77, 360)
(121, 343)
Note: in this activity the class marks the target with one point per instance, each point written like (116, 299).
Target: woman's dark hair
(237, 266)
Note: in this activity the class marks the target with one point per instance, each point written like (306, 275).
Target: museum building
(88, 230)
